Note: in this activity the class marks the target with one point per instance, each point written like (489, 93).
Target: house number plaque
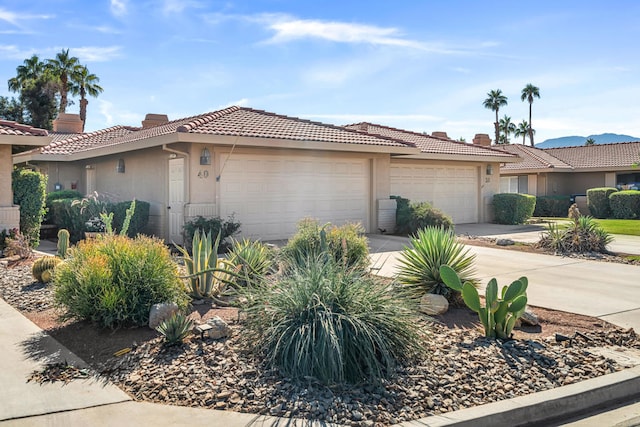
(203, 174)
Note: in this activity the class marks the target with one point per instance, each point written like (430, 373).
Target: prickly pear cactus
(43, 264)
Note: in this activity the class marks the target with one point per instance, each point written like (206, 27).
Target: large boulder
(433, 304)
(161, 312)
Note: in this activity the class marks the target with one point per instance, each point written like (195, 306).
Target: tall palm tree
(528, 93)
(495, 100)
(507, 128)
(63, 67)
(84, 83)
(522, 130)
(31, 69)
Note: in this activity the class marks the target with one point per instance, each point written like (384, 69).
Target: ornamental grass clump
(432, 247)
(335, 324)
(582, 235)
(115, 280)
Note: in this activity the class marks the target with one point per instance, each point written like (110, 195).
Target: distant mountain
(573, 141)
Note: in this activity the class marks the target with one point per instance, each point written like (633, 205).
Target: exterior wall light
(205, 157)
(489, 169)
(120, 166)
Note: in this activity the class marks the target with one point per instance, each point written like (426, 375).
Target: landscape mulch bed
(461, 367)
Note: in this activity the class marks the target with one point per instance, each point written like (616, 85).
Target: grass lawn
(629, 227)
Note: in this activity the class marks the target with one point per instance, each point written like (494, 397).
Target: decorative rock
(219, 328)
(529, 318)
(160, 312)
(433, 304)
(505, 242)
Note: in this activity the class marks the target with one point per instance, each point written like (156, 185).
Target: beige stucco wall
(69, 175)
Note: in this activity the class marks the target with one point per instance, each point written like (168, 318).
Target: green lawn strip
(630, 227)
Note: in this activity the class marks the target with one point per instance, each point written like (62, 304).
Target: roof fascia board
(463, 157)
(38, 141)
(243, 141)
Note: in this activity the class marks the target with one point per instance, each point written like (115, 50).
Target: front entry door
(175, 206)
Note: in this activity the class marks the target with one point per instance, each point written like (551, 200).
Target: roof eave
(38, 141)
(463, 157)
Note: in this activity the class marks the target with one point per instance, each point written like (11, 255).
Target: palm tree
(31, 69)
(528, 93)
(495, 100)
(522, 130)
(590, 141)
(64, 67)
(84, 83)
(507, 128)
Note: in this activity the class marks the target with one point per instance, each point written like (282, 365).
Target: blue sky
(418, 65)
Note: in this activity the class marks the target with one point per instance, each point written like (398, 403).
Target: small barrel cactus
(63, 243)
(42, 265)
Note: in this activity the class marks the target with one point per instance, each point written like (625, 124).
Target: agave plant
(432, 247)
(209, 276)
(175, 329)
(254, 260)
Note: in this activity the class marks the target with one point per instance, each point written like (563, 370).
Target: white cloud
(17, 19)
(113, 116)
(96, 53)
(177, 6)
(119, 7)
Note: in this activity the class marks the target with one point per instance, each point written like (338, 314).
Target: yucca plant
(175, 329)
(254, 260)
(209, 276)
(334, 324)
(583, 234)
(419, 265)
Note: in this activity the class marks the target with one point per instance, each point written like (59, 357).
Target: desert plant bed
(460, 368)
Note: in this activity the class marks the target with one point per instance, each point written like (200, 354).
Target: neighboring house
(456, 177)
(570, 170)
(266, 169)
(14, 137)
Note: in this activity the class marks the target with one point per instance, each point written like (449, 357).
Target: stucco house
(268, 170)
(570, 170)
(14, 136)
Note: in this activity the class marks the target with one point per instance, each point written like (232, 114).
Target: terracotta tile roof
(533, 158)
(428, 143)
(8, 127)
(257, 123)
(232, 121)
(67, 143)
(599, 155)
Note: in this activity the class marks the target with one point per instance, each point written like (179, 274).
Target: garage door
(452, 189)
(270, 194)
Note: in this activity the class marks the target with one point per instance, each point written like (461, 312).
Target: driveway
(609, 291)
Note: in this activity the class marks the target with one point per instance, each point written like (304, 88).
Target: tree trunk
(83, 111)
(530, 126)
(497, 129)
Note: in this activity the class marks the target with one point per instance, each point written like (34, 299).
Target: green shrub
(410, 217)
(580, 236)
(501, 310)
(419, 265)
(29, 191)
(625, 204)
(139, 220)
(552, 206)
(253, 260)
(68, 216)
(513, 208)
(598, 201)
(7, 234)
(346, 244)
(58, 195)
(335, 324)
(214, 226)
(113, 281)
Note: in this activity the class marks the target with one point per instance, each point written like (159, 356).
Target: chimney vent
(152, 120)
(67, 123)
(439, 134)
(482, 139)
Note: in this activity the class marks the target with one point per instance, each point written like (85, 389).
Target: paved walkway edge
(545, 406)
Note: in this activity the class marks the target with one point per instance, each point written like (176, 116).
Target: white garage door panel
(269, 195)
(452, 189)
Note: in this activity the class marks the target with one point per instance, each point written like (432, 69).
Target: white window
(508, 184)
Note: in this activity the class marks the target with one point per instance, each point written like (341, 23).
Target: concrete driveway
(609, 291)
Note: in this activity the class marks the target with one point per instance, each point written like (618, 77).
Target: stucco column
(9, 214)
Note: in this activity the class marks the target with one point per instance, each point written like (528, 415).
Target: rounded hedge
(625, 204)
(513, 208)
(598, 201)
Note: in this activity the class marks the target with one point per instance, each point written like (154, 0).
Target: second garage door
(452, 189)
(269, 194)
